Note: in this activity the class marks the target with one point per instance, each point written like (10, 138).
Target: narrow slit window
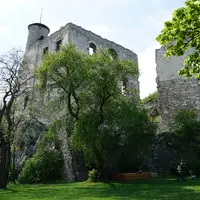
(45, 51)
(92, 48)
(124, 86)
(58, 45)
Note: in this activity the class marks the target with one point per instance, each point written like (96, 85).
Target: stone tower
(37, 32)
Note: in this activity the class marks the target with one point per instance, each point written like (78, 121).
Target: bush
(92, 176)
(152, 98)
(45, 166)
(187, 131)
(42, 168)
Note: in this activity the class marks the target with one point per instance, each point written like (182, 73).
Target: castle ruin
(174, 92)
(39, 43)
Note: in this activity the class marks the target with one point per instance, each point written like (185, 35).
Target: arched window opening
(92, 48)
(113, 54)
(124, 86)
(58, 45)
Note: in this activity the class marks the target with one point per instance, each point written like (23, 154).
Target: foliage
(181, 34)
(136, 133)
(107, 123)
(81, 78)
(42, 168)
(153, 107)
(187, 124)
(45, 166)
(137, 190)
(92, 175)
(187, 130)
(126, 129)
(151, 98)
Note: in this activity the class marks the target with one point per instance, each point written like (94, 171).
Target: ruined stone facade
(40, 42)
(174, 92)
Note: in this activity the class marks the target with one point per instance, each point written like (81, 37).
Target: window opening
(124, 86)
(112, 53)
(58, 45)
(45, 50)
(92, 48)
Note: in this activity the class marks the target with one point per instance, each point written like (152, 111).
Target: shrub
(92, 176)
(46, 164)
(187, 130)
(151, 98)
(42, 168)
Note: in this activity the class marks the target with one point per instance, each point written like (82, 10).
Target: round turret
(37, 31)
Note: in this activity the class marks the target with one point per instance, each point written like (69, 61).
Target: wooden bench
(131, 176)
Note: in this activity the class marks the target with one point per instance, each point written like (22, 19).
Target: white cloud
(3, 28)
(101, 1)
(154, 21)
(158, 20)
(147, 67)
(15, 1)
(101, 30)
(155, 2)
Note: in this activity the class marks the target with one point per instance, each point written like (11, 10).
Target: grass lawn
(137, 190)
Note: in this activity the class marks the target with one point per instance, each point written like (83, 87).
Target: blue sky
(131, 23)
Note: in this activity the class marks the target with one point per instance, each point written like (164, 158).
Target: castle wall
(174, 92)
(81, 38)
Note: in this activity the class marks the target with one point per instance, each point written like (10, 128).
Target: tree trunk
(13, 170)
(4, 165)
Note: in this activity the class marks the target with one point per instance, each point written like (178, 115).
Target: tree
(183, 33)
(186, 129)
(89, 86)
(126, 129)
(12, 85)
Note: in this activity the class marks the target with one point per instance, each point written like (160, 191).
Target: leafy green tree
(126, 129)
(77, 77)
(183, 33)
(187, 132)
(89, 85)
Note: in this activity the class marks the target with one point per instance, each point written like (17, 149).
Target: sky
(132, 23)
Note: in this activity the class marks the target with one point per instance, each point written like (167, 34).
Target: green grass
(137, 190)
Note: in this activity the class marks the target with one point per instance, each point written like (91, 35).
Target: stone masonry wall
(81, 38)
(174, 92)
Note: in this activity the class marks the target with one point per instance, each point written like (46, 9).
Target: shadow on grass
(138, 190)
(11, 190)
(142, 190)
